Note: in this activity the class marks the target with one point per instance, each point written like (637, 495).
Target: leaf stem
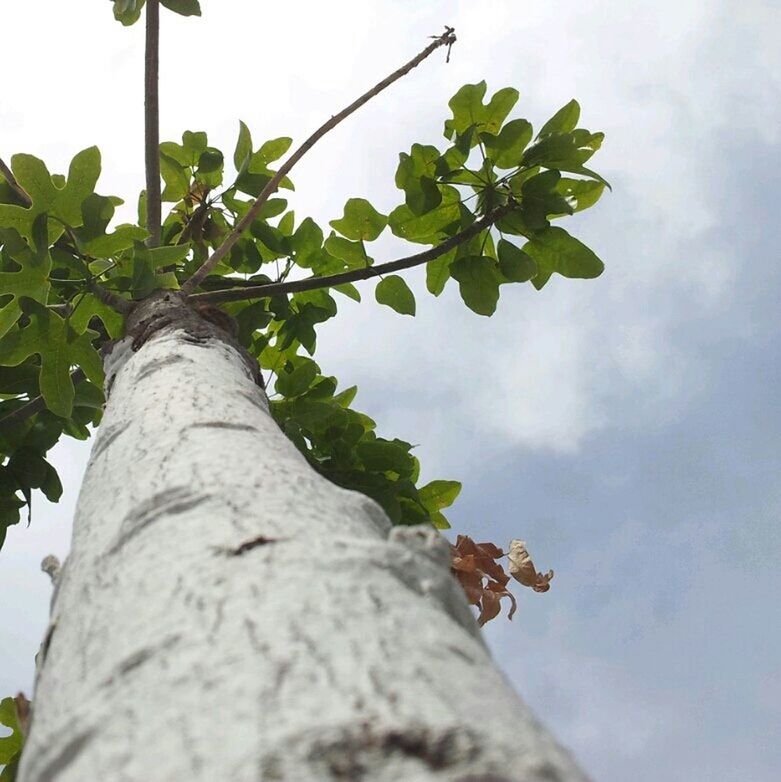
(446, 39)
(265, 290)
(152, 123)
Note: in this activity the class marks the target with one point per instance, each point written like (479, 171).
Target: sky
(626, 427)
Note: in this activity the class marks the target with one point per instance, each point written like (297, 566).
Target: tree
(264, 571)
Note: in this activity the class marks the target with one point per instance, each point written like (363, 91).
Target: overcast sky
(628, 428)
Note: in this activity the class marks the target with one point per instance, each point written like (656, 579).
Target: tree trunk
(228, 614)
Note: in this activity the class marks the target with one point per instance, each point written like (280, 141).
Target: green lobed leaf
(554, 250)
(32, 279)
(10, 746)
(59, 348)
(506, 149)
(468, 110)
(63, 202)
(395, 293)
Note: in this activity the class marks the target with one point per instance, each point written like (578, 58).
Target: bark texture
(228, 614)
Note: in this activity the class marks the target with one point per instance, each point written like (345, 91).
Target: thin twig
(262, 291)
(35, 405)
(446, 39)
(15, 186)
(152, 123)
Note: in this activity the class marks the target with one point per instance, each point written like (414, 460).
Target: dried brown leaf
(522, 568)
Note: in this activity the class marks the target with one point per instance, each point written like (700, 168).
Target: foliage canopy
(482, 204)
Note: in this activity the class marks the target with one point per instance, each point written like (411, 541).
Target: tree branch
(35, 405)
(109, 298)
(15, 186)
(262, 291)
(446, 39)
(152, 123)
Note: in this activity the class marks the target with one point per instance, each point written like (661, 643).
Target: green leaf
(210, 160)
(243, 150)
(439, 520)
(467, 107)
(108, 245)
(404, 223)
(361, 221)
(183, 7)
(506, 149)
(416, 175)
(10, 746)
(273, 150)
(128, 11)
(554, 250)
(478, 281)
(349, 290)
(352, 253)
(83, 175)
(438, 272)
(540, 199)
(514, 264)
(563, 121)
(194, 143)
(88, 307)
(395, 293)
(307, 242)
(177, 180)
(468, 110)
(580, 193)
(31, 281)
(62, 202)
(439, 494)
(500, 105)
(294, 383)
(59, 347)
(386, 455)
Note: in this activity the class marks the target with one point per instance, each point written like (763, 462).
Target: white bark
(334, 648)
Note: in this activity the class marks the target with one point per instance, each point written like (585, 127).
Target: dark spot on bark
(349, 756)
(248, 545)
(64, 757)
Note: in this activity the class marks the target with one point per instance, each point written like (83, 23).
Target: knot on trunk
(165, 311)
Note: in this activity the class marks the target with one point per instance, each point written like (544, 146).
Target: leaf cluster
(64, 265)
